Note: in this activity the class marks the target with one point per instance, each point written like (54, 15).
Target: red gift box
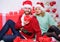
(45, 39)
(17, 39)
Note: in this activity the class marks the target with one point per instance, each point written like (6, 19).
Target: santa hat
(27, 4)
(41, 5)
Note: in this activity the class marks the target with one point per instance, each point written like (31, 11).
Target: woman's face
(38, 10)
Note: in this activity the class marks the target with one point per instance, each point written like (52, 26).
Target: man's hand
(21, 29)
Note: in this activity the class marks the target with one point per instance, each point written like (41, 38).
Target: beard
(27, 12)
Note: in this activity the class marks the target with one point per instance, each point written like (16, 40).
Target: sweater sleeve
(18, 24)
(36, 28)
(51, 20)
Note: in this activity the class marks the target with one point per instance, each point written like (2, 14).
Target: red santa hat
(41, 5)
(27, 4)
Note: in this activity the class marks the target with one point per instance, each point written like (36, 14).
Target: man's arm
(36, 28)
(18, 25)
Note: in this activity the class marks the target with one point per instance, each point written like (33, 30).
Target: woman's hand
(59, 35)
(58, 24)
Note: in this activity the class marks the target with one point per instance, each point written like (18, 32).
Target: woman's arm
(51, 21)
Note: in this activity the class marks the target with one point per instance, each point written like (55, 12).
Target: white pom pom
(2, 41)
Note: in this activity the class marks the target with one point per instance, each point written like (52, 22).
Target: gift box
(45, 39)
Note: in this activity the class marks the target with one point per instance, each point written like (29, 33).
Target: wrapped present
(17, 39)
(45, 39)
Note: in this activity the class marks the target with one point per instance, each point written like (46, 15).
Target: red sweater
(32, 27)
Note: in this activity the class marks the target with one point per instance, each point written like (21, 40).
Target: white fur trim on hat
(27, 6)
(40, 7)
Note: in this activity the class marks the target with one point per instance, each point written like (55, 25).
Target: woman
(46, 22)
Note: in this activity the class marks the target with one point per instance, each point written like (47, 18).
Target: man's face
(27, 10)
(38, 10)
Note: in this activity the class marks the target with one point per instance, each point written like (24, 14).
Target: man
(27, 24)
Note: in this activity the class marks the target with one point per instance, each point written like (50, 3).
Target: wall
(15, 5)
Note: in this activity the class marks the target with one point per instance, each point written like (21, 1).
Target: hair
(42, 14)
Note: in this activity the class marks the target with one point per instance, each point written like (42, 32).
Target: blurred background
(14, 7)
